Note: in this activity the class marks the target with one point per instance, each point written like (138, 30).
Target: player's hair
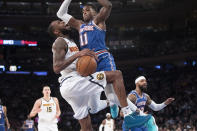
(50, 30)
(93, 6)
(45, 86)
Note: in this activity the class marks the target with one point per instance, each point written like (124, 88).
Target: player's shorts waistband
(100, 52)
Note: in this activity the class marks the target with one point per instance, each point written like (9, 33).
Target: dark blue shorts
(106, 62)
(2, 128)
(143, 128)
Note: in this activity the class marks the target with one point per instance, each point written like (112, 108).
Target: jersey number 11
(83, 39)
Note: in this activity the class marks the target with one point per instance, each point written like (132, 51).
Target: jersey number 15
(49, 109)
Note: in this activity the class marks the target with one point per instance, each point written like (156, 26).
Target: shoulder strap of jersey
(53, 99)
(92, 23)
(134, 93)
(67, 40)
(145, 96)
(41, 99)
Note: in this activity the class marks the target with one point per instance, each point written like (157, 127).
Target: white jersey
(109, 125)
(48, 111)
(72, 49)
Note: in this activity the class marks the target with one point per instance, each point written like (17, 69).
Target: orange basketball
(86, 65)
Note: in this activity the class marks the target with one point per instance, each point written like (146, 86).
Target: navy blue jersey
(2, 116)
(30, 125)
(93, 38)
(140, 101)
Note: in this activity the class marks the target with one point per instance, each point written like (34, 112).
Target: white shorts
(47, 127)
(78, 90)
(96, 105)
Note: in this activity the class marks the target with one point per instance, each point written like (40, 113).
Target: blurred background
(154, 38)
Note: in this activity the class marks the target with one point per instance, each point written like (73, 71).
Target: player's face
(142, 85)
(60, 25)
(46, 91)
(88, 13)
(108, 116)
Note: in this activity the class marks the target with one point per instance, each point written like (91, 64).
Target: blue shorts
(150, 125)
(142, 128)
(2, 128)
(106, 62)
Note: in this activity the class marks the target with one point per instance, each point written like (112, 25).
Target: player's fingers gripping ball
(86, 65)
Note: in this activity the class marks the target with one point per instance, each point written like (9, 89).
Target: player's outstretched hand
(169, 100)
(8, 126)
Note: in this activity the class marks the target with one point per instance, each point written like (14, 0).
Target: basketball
(86, 65)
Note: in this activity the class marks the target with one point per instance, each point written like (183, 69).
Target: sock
(126, 111)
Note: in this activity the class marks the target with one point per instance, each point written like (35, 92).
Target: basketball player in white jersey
(48, 111)
(108, 124)
(78, 90)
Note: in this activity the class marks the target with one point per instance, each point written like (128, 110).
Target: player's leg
(139, 129)
(42, 127)
(85, 124)
(106, 63)
(74, 91)
(115, 77)
(151, 125)
(52, 127)
(2, 128)
(80, 108)
(112, 97)
(96, 104)
(124, 127)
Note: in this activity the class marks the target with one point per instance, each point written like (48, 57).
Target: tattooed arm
(59, 49)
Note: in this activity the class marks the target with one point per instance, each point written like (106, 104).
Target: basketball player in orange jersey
(77, 90)
(48, 111)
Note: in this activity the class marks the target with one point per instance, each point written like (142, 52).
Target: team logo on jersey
(73, 49)
(100, 76)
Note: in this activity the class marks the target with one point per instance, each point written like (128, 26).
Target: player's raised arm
(68, 19)
(104, 12)
(35, 109)
(157, 107)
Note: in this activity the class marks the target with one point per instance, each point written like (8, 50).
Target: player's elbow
(32, 114)
(109, 5)
(56, 70)
(59, 15)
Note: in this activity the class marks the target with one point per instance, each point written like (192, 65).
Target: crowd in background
(19, 92)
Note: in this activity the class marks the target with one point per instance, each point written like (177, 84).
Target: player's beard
(71, 33)
(65, 32)
(143, 88)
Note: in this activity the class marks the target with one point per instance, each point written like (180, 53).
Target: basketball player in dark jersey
(3, 117)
